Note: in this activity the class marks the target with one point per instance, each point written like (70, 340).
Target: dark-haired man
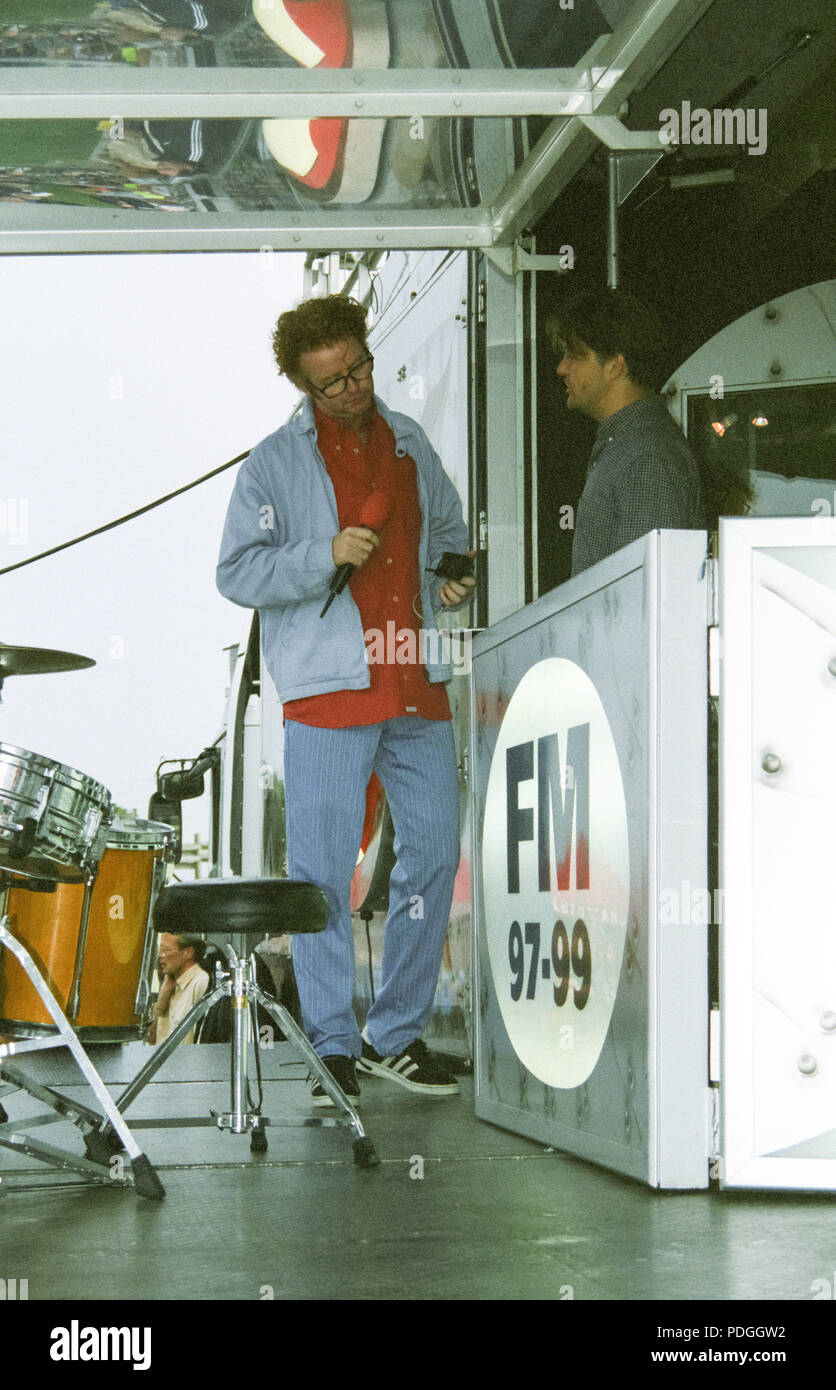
(292, 522)
(642, 475)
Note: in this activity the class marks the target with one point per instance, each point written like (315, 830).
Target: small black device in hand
(454, 566)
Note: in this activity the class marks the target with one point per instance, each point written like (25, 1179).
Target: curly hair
(316, 323)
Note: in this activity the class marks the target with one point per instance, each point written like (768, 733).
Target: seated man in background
(182, 984)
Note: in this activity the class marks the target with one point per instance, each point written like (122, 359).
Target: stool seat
(255, 906)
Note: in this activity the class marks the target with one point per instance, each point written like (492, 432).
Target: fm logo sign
(563, 793)
(555, 872)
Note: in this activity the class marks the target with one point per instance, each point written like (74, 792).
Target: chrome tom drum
(52, 818)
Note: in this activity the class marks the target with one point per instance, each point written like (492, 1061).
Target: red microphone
(374, 514)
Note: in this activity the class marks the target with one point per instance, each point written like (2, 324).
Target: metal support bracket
(625, 171)
(514, 259)
(633, 154)
(616, 136)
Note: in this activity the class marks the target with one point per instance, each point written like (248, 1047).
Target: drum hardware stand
(75, 988)
(26, 831)
(105, 1135)
(143, 991)
(245, 994)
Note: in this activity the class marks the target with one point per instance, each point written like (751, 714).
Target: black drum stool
(247, 910)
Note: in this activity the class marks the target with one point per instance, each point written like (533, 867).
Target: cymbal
(36, 661)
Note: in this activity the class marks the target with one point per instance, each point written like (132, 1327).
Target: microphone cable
(129, 516)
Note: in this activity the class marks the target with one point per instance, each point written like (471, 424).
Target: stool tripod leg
(364, 1151)
(258, 1137)
(240, 1001)
(164, 1049)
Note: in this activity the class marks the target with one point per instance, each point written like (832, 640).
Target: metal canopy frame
(585, 103)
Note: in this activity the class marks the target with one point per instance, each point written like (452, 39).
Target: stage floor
(494, 1216)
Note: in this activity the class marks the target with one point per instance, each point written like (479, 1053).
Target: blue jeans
(326, 775)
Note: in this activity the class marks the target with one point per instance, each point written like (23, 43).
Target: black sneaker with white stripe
(342, 1070)
(415, 1068)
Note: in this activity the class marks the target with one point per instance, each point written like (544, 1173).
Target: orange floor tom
(119, 954)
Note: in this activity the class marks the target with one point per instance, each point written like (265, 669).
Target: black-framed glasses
(361, 372)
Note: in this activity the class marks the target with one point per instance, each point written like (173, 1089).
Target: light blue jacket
(276, 554)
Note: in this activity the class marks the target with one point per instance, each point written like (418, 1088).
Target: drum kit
(77, 890)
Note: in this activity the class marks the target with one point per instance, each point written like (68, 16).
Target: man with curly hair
(294, 520)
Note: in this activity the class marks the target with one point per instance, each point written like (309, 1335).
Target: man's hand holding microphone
(353, 545)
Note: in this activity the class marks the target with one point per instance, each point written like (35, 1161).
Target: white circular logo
(556, 872)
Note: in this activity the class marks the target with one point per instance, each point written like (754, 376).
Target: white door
(777, 803)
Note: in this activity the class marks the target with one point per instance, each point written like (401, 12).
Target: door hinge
(715, 1158)
(715, 657)
(713, 601)
(712, 1098)
(481, 302)
(714, 1046)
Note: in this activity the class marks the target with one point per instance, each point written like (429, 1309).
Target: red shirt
(386, 589)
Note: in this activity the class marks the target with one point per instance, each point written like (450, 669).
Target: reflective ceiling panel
(309, 34)
(258, 165)
(362, 122)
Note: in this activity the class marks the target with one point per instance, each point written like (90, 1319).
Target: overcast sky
(121, 378)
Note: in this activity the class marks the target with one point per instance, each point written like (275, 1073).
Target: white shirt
(188, 989)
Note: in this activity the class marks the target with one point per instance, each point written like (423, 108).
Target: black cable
(367, 920)
(140, 511)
